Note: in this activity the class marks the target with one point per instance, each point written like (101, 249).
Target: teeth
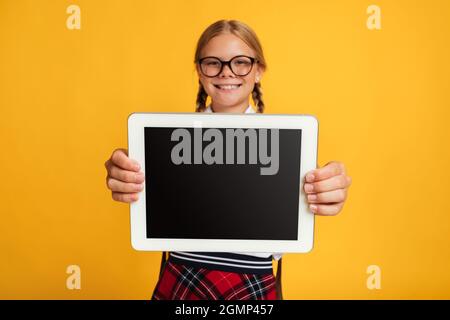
(229, 87)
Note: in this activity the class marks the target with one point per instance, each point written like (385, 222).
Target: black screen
(221, 201)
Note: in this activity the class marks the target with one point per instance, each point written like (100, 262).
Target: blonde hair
(246, 34)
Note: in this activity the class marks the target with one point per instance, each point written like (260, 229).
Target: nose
(226, 71)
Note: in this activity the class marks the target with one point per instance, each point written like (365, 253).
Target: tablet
(222, 182)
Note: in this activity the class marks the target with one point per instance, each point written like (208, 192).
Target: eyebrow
(221, 57)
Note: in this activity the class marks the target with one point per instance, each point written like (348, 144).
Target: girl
(230, 63)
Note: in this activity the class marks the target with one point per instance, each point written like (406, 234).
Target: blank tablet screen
(228, 200)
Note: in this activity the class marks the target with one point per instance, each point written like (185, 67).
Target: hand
(124, 178)
(326, 188)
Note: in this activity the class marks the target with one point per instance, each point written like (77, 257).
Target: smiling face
(226, 98)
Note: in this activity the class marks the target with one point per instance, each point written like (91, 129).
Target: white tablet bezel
(307, 123)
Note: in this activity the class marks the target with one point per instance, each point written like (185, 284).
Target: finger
(331, 169)
(119, 186)
(125, 175)
(337, 182)
(338, 195)
(326, 209)
(125, 197)
(120, 158)
(107, 164)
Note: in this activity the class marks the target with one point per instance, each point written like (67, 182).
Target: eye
(211, 63)
(241, 62)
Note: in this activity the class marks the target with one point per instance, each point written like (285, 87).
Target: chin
(227, 102)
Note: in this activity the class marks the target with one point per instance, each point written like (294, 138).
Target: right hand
(124, 178)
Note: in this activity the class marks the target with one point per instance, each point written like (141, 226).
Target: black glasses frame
(227, 63)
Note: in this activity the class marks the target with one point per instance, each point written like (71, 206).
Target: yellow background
(381, 96)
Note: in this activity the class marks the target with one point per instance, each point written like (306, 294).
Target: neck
(237, 108)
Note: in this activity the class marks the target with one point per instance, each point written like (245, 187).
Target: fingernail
(137, 166)
(310, 177)
(312, 197)
(308, 187)
(313, 208)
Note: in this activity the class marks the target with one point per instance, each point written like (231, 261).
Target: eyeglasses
(240, 65)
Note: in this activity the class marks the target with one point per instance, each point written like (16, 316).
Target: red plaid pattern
(179, 282)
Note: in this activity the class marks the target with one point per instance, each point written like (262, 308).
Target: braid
(201, 98)
(257, 97)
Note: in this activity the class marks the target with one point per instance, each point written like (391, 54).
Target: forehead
(226, 46)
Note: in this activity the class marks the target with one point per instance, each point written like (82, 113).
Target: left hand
(326, 188)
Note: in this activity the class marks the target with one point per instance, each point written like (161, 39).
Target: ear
(259, 73)
(199, 74)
